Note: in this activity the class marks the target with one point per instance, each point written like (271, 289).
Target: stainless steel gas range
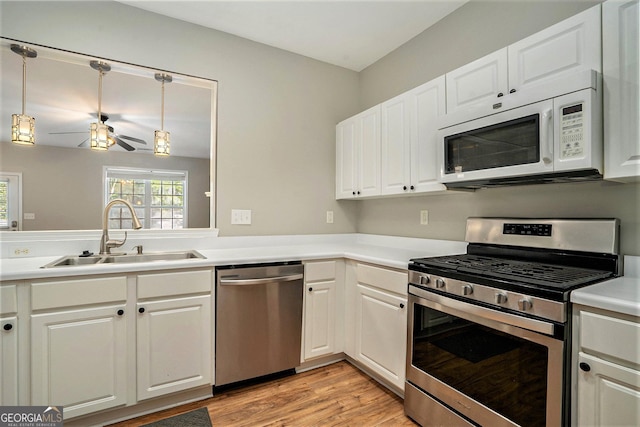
(488, 331)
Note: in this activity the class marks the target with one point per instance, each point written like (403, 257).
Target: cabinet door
(320, 315)
(79, 359)
(346, 155)
(9, 361)
(561, 50)
(381, 333)
(173, 345)
(608, 394)
(427, 103)
(478, 84)
(369, 152)
(396, 145)
(621, 80)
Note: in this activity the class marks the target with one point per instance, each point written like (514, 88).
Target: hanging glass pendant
(22, 126)
(162, 138)
(99, 132)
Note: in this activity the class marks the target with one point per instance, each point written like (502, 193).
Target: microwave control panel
(572, 132)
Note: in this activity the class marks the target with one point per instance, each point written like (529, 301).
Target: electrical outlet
(29, 215)
(19, 251)
(424, 217)
(240, 216)
(329, 217)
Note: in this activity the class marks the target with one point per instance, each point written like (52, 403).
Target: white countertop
(621, 295)
(388, 251)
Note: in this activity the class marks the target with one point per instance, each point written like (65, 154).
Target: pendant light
(99, 132)
(23, 126)
(162, 139)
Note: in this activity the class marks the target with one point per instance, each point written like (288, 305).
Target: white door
(173, 345)
(381, 333)
(346, 157)
(9, 361)
(396, 145)
(79, 359)
(10, 201)
(427, 104)
(320, 315)
(478, 85)
(621, 80)
(369, 152)
(608, 394)
(561, 50)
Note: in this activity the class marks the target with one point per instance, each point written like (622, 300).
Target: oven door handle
(466, 310)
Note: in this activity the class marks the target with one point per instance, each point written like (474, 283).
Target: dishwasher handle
(260, 281)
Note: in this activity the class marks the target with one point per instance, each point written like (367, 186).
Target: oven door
(474, 363)
(512, 143)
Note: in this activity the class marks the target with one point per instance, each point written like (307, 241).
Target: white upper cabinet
(408, 139)
(621, 80)
(358, 155)
(536, 68)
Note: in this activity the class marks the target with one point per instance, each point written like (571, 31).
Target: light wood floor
(334, 395)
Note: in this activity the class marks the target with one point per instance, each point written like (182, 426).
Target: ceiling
(350, 34)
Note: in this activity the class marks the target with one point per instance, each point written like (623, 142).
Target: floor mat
(196, 418)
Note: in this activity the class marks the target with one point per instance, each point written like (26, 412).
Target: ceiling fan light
(99, 136)
(161, 143)
(23, 129)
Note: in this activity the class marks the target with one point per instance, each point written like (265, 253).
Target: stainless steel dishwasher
(258, 320)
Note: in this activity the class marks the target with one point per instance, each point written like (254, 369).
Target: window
(10, 201)
(159, 197)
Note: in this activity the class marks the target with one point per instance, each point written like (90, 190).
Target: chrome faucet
(105, 243)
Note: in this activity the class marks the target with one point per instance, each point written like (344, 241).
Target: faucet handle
(138, 249)
(113, 243)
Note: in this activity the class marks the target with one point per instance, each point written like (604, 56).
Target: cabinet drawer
(391, 280)
(317, 271)
(610, 336)
(68, 293)
(180, 283)
(8, 299)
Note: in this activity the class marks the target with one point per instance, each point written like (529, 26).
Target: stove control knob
(525, 304)
(467, 289)
(424, 280)
(440, 283)
(500, 298)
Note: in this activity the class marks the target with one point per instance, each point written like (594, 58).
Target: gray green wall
(472, 31)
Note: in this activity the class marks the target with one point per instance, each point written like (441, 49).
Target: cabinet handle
(401, 305)
(7, 327)
(412, 188)
(141, 310)
(358, 192)
(512, 91)
(353, 192)
(585, 366)
(310, 289)
(500, 95)
(404, 188)
(120, 312)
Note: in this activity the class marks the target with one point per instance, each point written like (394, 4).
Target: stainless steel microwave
(553, 140)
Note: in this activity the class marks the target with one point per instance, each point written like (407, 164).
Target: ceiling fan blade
(131, 138)
(123, 144)
(83, 143)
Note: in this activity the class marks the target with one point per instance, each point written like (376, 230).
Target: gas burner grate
(532, 273)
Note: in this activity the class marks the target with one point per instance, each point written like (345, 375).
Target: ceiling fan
(116, 137)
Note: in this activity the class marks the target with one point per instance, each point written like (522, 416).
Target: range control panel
(543, 230)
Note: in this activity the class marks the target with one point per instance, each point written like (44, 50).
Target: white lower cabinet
(88, 335)
(322, 328)
(8, 346)
(173, 345)
(79, 359)
(380, 322)
(606, 374)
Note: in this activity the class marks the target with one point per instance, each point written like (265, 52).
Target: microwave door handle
(547, 149)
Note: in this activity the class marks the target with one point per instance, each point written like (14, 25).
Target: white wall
(472, 31)
(276, 110)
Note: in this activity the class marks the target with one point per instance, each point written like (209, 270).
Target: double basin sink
(81, 260)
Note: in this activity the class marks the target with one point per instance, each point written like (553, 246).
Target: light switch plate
(240, 216)
(329, 217)
(424, 217)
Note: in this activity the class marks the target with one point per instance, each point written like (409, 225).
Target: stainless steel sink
(76, 260)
